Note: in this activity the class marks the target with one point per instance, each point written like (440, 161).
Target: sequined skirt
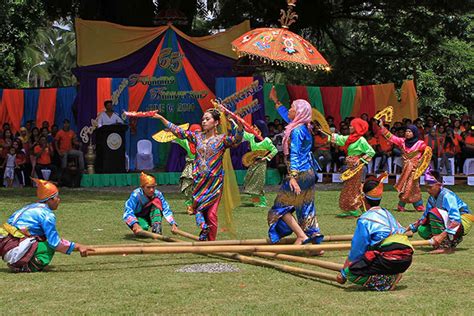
(349, 199)
(288, 202)
(407, 187)
(255, 178)
(186, 180)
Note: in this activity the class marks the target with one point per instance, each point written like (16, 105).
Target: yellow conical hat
(46, 190)
(146, 179)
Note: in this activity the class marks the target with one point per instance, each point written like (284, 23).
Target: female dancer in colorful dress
(186, 181)
(208, 170)
(297, 191)
(412, 150)
(358, 151)
(255, 178)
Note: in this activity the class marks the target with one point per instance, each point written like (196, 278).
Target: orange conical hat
(146, 179)
(376, 193)
(46, 190)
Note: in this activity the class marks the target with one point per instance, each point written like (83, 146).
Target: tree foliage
(18, 23)
(366, 42)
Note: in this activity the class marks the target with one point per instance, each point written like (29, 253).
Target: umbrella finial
(289, 17)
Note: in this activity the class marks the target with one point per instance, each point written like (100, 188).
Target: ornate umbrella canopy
(279, 46)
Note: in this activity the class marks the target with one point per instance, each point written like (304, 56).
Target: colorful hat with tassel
(146, 179)
(430, 179)
(376, 193)
(46, 190)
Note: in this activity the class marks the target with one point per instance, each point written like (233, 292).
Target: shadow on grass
(124, 265)
(356, 288)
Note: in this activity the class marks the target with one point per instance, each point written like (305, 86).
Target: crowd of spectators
(50, 151)
(449, 137)
(44, 151)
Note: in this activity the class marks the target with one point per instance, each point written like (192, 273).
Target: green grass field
(150, 284)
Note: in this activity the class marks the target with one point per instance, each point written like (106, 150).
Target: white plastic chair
(451, 162)
(468, 167)
(376, 162)
(144, 156)
(397, 162)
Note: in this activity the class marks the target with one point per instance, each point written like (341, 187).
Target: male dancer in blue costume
(380, 251)
(146, 207)
(446, 219)
(29, 239)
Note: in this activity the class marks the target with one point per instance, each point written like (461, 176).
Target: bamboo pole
(211, 243)
(265, 263)
(216, 249)
(179, 243)
(282, 267)
(144, 233)
(320, 263)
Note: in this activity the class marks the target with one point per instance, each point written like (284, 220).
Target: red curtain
(332, 102)
(104, 92)
(196, 82)
(297, 92)
(13, 105)
(46, 106)
(138, 91)
(367, 104)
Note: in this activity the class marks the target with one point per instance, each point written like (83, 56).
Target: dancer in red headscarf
(358, 151)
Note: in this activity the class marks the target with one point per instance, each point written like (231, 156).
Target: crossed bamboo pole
(212, 243)
(110, 250)
(233, 251)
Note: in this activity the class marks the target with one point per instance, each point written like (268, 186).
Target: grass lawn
(150, 284)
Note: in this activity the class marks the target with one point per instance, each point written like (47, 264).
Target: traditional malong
(254, 181)
(412, 150)
(380, 251)
(297, 145)
(358, 151)
(446, 218)
(29, 238)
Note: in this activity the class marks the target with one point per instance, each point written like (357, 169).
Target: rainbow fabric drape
(46, 104)
(341, 102)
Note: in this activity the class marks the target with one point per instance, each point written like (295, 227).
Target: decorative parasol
(279, 46)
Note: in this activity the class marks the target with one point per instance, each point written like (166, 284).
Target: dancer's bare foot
(394, 285)
(439, 251)
(314, 253)
(340, 279)
(299, 240)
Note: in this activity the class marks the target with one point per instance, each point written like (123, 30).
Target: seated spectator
(45, 132)
(64, 145)
(322, 149)
(45, 124)
(432, 140)
(20, 162)
(330, 120)
(468, 148)
(24, 136)
(449, 149)
(43, 152)
(457, 127)
(271, 130)
(419, 124)
(383, 150)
